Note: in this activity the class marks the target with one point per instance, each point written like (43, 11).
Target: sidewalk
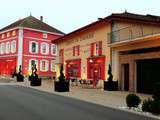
(98, 96)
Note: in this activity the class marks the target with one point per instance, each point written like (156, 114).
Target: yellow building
(135, 52)
(119, 39)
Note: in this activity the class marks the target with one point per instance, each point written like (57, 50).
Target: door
(148, 73)
(126, 77)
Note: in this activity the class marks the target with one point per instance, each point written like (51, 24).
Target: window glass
(13, 33)
(2, 48)
(3, 36)
(53, 49)
(44, 35)
(8, 47)
(44, 48)
(44, 65)
(33, 47)
(53, 65)
(8, 34)
(32, 63)
(13, 46)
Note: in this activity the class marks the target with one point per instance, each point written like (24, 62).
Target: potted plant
(34, 78)
(110, 85)
(20, 77)
(62, 85)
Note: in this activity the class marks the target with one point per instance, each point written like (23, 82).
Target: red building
(27, 42)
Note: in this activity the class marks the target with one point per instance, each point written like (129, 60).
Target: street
(22, 103)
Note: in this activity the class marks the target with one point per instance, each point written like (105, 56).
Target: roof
(116, 16)
(32, 22)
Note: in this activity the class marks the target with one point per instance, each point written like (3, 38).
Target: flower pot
(61, 86)
(111, 85)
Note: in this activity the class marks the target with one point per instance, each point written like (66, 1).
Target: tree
(61, 77)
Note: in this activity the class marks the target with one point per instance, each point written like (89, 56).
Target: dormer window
(3, 35)
(44, 35)
(8, 34)
(13, 33)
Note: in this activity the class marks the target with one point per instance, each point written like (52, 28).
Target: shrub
(132, 100)
(146, 105)
(155, 107)
(156, 91)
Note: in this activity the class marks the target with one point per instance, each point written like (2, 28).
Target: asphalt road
(20, 103)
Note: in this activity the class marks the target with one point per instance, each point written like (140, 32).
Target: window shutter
(92, 49)
(100, 48)
(74, 51)
(78, 50)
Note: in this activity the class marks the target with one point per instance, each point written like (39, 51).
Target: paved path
(22, 103)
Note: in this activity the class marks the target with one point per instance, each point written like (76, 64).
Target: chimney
(41, 18)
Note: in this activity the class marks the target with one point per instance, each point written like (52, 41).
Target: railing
(131, 33)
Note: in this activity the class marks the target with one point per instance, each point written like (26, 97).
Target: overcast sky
(68, 15)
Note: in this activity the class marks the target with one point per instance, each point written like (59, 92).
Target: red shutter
(74, 51)
(100, 48)
(78, 50)
(92, 49)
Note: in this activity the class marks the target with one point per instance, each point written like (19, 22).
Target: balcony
(132, 33)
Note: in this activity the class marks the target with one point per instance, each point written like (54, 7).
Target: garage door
(148, 73)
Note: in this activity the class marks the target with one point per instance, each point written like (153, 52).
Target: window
(8, 47)
(53, 69)
(13, 33)
(44, 48)
(44, 65)
(3, 36)
(32, 62)
(13, 46)
(96, 48)
(44, 35)
(8, 34)
(2, 48)
(76, 51)
(53, 49)
(33, 47)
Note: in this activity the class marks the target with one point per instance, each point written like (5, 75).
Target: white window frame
(46, 65)
(8, 47)
(47, 48)
(51, 66)
(45, 35)
(30, 66)
(52, 47)
(3, 36)
(30, 47)
(13, 48)
(2, 48)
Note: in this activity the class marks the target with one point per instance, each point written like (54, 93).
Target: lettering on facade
(81, 38)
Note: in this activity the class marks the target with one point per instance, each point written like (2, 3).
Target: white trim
(20, 47)
(30, 47)
(32, 38)
(13, 50)
(29, 65)
(9, 30)
(42, 31)
(52, 46)
(8, 56)
(6, 39)
(47, 48)
(38, 56)
(8, 47)
(46, 65)
(53, 62)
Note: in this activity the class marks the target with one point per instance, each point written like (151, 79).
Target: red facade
(31, 45)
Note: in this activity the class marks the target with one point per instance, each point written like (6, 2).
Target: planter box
(61, 86)
(35, 81)
(20, 78)
(111, 86)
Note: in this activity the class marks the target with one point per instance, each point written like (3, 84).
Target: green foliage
(155, 107)
(110, 78)
(132, 100)
(61, 77)
(156, 93)
(146, 105)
